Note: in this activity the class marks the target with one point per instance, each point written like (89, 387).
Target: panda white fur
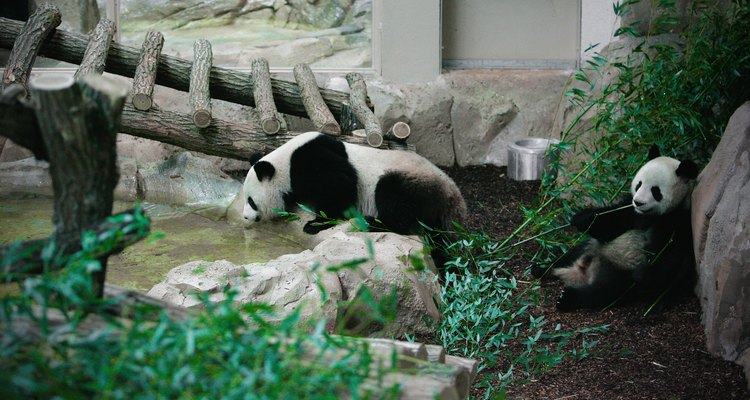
(398, 188)
(640, 252)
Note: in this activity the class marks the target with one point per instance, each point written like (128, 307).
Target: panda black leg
(317, 225)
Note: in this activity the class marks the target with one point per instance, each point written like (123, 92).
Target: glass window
(326, 34)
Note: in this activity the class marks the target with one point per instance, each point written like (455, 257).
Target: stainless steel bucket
(527, 158)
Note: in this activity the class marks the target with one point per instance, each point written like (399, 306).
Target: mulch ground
(659, 356)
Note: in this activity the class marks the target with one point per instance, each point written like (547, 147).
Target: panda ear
(264, 170)
(653, 152)
(255, 158)
(687, 169)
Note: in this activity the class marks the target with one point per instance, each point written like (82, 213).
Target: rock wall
(305, 283)
(721, 230)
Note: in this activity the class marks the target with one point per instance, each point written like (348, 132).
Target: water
(187, 237)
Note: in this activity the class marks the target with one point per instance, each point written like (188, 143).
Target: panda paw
(568, 301)
(583, 220)
(315, 226)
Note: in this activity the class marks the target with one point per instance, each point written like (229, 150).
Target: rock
(25, 176)
(294, 282)
(13, 152)
(184, 179)
(721, 231)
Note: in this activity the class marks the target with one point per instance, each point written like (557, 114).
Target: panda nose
(257, 219)
(638, 203)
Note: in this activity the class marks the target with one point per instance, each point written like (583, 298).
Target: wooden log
(270, 120)
(200, 96)
(128, 300)
(27, 44)
(112, 234)
(371, 140)
(173, 72)
(221, 138)
(145, 72)
(435, 353)
(471, 366)
(79, 124)
(358, 100)
(316, 108)
(399, 132)
(95, 57)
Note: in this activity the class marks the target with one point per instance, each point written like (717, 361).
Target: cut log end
(271, 126)
(53, 81)
(400, 130)
(375, 139)
(202, 118)
(142, 102)
(331, 128)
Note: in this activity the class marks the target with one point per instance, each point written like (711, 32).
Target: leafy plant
(58, 341)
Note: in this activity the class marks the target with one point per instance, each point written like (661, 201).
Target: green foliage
(226, 351)
(493, 315)
(669, 87)
(676, 90)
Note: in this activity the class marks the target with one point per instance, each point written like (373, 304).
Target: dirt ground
(660, 356)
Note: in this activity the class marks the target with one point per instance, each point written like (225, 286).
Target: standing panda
(397, 188)
(638, 252)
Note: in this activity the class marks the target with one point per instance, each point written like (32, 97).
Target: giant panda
(634, 253)
(398, 189)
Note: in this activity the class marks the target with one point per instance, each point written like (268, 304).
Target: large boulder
(721, 231)
(315, 283)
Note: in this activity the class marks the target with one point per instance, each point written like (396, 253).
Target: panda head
(263, 191)
(663, 184)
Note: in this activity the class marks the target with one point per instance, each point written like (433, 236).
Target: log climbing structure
(346, 116)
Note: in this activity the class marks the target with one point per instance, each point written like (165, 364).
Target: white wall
(598, 24)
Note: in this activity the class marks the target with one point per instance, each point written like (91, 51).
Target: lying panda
(641, 251)
(398, 188)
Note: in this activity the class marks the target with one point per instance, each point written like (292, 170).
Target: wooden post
(316, 108)
(399, 132)
(200, 96)
(358, 100)
(263, 94)
(23, 53)
(79, 123)
(95, 57)
(145, 72)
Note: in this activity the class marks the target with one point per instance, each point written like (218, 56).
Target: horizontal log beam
(222, 138)
(172, 71)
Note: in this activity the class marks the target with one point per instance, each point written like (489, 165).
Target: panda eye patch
(656, 192)
(638, 186)
(252, 203)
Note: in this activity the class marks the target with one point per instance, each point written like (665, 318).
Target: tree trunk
(145, 72)
(269, 118)
(95, 57)
(79, 123)
(27, 43)
(317, 110)
(173, 72)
